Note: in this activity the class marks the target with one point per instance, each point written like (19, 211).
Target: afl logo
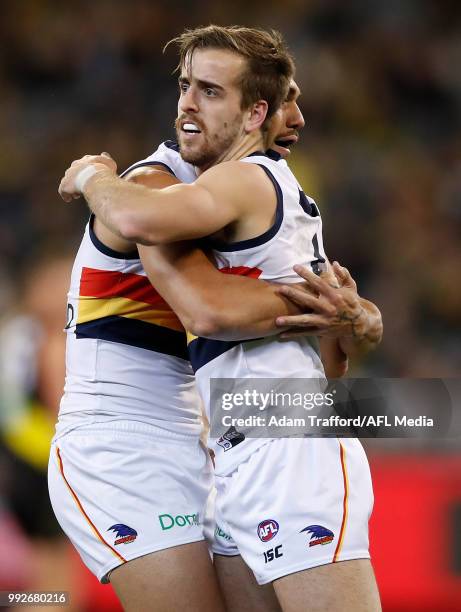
(267, 530)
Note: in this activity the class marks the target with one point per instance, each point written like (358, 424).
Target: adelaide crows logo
(320, 535)
(125, 534)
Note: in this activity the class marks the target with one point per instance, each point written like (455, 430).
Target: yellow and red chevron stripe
(105, 293)
(124, 308)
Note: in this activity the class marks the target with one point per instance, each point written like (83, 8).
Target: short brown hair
(270, 66)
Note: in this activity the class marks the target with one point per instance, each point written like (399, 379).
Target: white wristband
(83, 176)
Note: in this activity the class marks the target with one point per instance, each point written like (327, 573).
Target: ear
(256, 116)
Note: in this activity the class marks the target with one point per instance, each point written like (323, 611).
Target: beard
(211, 148)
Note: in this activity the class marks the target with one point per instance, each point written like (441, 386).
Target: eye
(183, 87)
(210, 92)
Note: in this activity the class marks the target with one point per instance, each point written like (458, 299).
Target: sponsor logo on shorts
(231, 438)
(168, 521)
(319, 535)
(267, 530)
(273, 553)
(124, 534)
(219, 533)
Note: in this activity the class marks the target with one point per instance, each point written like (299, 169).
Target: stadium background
(381, 153)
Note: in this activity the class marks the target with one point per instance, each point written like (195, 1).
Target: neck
(243, 147)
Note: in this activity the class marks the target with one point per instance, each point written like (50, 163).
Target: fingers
(104, 158)
(343, 275)
(317, 283)
(303, 298)
(303, 320)
(64, 191)
(107, 159)
(69, 188)
(306, 301)
(66, 197)
(305, 272)
(340, 271)
(330, 277)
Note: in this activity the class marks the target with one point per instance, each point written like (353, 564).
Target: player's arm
(159, 216)
(338, 312)
(162, 179)
(208, 302)
(334, 359)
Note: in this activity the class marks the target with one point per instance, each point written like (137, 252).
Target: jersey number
(311, 209)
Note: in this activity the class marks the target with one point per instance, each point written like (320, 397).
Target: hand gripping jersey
(126, 349)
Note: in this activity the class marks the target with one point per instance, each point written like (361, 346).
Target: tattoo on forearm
(344, 316)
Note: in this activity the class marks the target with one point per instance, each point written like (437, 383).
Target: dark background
(381, 154)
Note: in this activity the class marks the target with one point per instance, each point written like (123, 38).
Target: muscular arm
(336, 352)
(225, 307)
(149, 216)
(335, 360)
(366, 335)
(208, 302)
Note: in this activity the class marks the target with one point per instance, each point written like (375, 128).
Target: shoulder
(244, 186)
(229, 172)
(166, 158)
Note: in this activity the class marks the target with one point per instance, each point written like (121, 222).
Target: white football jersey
(126, 350)
(167, 156)
(294, 238)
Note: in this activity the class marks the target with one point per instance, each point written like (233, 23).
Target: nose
(295, 119)
(187, 101)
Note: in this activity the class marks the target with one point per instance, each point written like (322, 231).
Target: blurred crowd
(381, 154)
(381, 151)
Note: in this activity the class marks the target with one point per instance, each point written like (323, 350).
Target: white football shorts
(296, 503)
(121, 490)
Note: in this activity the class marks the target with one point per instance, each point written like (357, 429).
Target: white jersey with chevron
(295, 237)
(126, 349)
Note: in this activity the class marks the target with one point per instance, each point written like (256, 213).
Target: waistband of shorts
(127, 427)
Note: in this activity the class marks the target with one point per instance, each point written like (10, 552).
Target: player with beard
(222, 121)
(91, 418)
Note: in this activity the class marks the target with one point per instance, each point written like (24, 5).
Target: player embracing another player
(295, 511)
